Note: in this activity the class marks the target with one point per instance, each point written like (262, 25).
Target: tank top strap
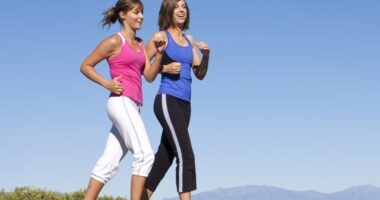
(169, 36)
(188, 40)
(122, 37)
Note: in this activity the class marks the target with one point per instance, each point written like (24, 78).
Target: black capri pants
(174, 117)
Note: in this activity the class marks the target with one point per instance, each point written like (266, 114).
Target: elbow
(149, 76)
(200, 76)
(149, 79)
(85, 69)
(82, 69)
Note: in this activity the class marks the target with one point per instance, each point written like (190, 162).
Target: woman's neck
(128, 33)
(176, 32)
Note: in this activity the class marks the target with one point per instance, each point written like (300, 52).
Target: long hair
(111, 15)
(165, 17)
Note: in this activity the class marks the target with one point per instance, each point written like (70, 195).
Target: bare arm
(104, 50)
(154, 50)
(200, 67)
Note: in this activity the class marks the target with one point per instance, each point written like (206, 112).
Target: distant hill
(366, 192)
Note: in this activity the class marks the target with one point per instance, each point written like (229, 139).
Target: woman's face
(180, 13)
(133, 18)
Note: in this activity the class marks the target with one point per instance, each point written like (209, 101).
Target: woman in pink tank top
(127, 60)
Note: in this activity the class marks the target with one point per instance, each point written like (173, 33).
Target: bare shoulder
(159, 34)
(191, 38)
(111, 42)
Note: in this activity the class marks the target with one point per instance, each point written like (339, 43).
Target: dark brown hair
(165, 17)
(112, 14)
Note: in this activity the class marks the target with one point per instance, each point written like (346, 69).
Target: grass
(30, 193)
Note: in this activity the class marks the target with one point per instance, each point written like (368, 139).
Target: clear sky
(291, 99)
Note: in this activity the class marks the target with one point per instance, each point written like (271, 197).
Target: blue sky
(291, 98)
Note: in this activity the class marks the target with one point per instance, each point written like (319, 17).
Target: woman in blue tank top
(172, 103)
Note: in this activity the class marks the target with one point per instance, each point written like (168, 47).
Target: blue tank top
(177, 85)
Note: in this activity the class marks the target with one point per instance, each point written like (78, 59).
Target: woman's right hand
(115, 85)
(159, 42)
(172, 68)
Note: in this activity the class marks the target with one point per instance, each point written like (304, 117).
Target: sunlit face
(180, 13)
(134, 17)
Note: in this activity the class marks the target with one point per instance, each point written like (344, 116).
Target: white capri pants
(127, 134)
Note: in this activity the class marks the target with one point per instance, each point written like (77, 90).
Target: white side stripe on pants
(172, 130)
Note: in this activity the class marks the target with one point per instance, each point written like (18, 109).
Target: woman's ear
(122, 15)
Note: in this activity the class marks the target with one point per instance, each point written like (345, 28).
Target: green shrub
(29, 193)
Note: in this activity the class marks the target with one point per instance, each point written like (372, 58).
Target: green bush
(29, 193)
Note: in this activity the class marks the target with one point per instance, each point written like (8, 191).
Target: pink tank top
(130, 64)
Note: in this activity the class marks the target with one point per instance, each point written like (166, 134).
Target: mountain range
(253, 192)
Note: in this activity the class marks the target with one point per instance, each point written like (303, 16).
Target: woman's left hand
(203, 47)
